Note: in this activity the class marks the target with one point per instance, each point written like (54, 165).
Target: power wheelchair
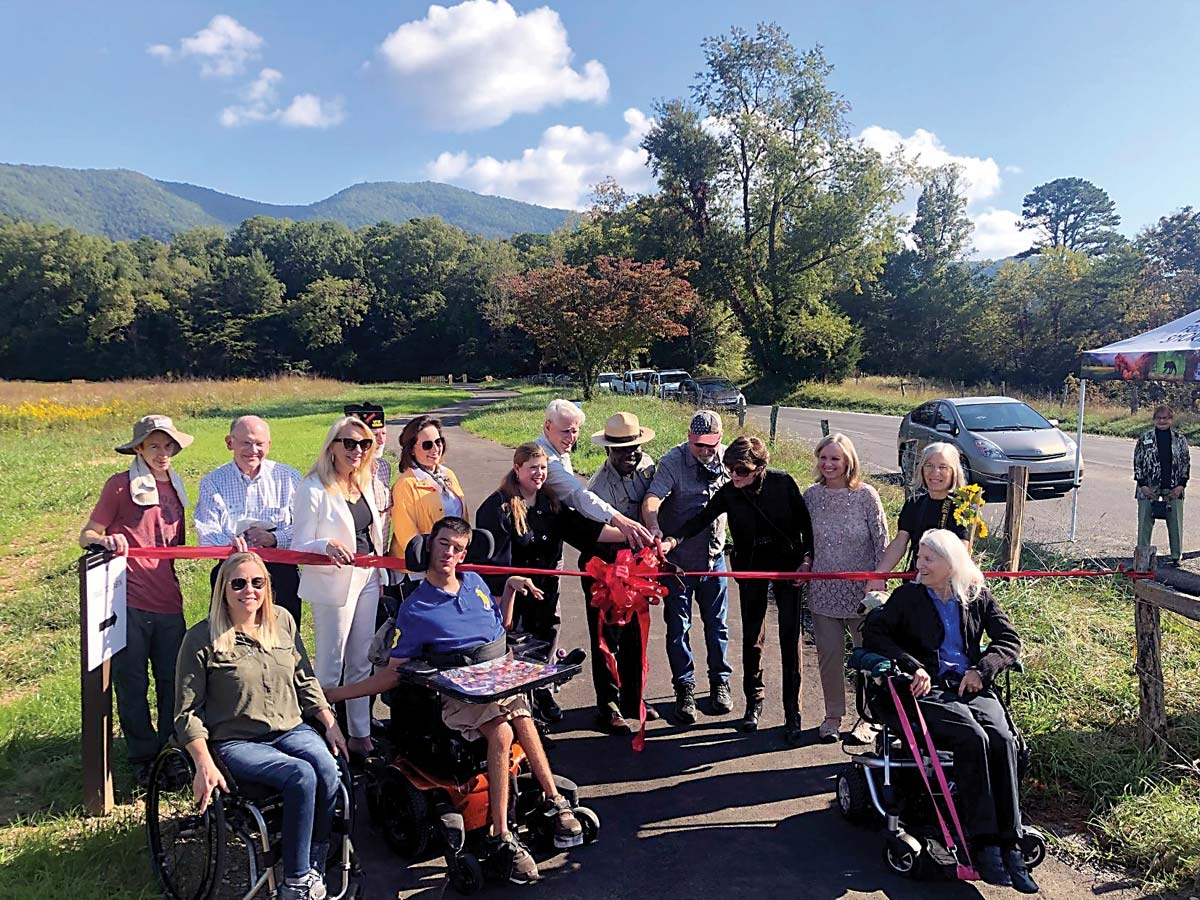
(427, 786)
(883, 786)
(233, 850)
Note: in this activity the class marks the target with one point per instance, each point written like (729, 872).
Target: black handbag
(1160, 508)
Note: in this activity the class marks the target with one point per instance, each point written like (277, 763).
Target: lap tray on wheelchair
(487, 681)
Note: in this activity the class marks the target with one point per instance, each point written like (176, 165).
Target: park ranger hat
(622, 430)
(143, 428)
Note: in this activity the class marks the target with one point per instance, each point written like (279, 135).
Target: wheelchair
(233, 850)
(427, 786)
(883, 786)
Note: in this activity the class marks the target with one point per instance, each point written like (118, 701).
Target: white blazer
(319, 516)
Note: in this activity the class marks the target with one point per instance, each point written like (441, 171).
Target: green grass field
(51, 471)
(1078, 703)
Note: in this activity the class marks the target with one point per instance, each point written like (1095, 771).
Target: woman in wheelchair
(450, 613)
(932, 630)
(244, 688)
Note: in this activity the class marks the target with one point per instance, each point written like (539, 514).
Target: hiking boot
(567, 830)
(720, 697)
(753, 713)
(523, 869)
(547, 707)
(1018, 872)
(309, 886)
(685, 704)
(991, 866)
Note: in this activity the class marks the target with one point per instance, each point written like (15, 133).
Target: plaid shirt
(227, 496)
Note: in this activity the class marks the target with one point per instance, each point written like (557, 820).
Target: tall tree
(1072, 214)
(582, 316)
(942, 230)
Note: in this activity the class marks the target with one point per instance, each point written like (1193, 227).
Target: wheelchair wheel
(466, 873)
(187, 850)
(1033, 847)
(404, 816)
(590, 821)
(853, 795)
(903, 860)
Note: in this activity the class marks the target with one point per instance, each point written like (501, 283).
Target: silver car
(992, 433)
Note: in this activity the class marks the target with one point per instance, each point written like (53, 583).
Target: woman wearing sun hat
(144, 507)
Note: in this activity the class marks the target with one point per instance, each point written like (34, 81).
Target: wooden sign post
(101, 634)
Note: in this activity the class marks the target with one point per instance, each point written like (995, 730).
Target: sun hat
(146, 425)
(622, 430)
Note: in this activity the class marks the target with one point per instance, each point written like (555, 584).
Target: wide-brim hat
(622, 430)
(146, 425)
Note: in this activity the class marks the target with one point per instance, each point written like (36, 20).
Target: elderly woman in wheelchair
(927, 638)
(243, 690)
(451, 620)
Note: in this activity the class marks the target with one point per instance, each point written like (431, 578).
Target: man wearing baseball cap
(144, 507)
(685, 480)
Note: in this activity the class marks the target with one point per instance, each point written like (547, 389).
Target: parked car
(635, 381)
(720, 393)
(606, 381)
(992, 433)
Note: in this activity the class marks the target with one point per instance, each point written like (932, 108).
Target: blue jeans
(712, 596)
(299, 765)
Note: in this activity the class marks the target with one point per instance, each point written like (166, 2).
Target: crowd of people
(210, 694)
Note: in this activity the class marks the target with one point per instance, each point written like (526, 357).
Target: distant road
(1107, 517)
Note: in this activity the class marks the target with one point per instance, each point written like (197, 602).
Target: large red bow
(624, 591)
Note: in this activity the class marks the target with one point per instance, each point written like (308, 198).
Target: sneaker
(829, 731)
(720, 697)
(685, 704)
(753, 714)
(1018, 872)
(549, 709)
(523, 868)
(862, 733)
(309, 886)
(991, 866)
(567, 830)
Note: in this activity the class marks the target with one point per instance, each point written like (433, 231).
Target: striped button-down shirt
(228, 496)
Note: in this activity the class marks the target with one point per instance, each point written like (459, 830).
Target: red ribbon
(623, 592)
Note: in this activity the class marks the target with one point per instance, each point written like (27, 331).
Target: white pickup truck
(637, 381)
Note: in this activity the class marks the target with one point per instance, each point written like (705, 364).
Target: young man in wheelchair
(452, 612)
(932, 630)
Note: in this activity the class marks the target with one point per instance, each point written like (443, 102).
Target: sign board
(104, 620)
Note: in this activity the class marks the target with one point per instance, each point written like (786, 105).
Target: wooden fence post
(1152, 714)
(1014, 517)
(824, 428)
(774, 422)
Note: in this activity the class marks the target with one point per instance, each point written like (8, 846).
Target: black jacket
(909, 630)
(771, 527)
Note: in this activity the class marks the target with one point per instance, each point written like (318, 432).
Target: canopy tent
(1170, 352)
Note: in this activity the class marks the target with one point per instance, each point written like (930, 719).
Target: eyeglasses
(743, 471)
(438, 442)
(364, 445)
(239, 584)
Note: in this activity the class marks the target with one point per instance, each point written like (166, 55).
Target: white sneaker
(828, 732)
(862, 733)
(310, 886)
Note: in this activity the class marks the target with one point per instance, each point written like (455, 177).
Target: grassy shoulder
(1077, 705)
(56, 450)
(879, 394)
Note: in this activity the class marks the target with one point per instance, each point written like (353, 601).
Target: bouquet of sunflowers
(968, 512)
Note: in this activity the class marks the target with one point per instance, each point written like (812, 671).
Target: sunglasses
(436, 442)
(706, 444)
(364, 445)
(239, 584)
(743, 471)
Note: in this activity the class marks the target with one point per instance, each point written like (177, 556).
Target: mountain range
(126, 205)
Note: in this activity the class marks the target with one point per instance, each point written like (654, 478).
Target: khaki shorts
(468, 718)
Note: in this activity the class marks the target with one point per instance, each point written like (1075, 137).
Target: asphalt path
(1106, 520)
(703, 811)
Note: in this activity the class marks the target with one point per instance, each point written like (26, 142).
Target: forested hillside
(125, 205)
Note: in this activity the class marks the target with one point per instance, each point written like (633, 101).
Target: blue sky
(290, 102)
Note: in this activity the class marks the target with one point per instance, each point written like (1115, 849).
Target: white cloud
(1013, 170)
(981, 177)
(560, 171)
(224, 47)
(477, 64)
(998, 234)
(260, 104)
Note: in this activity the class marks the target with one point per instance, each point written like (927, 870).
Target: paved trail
(704, 811)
